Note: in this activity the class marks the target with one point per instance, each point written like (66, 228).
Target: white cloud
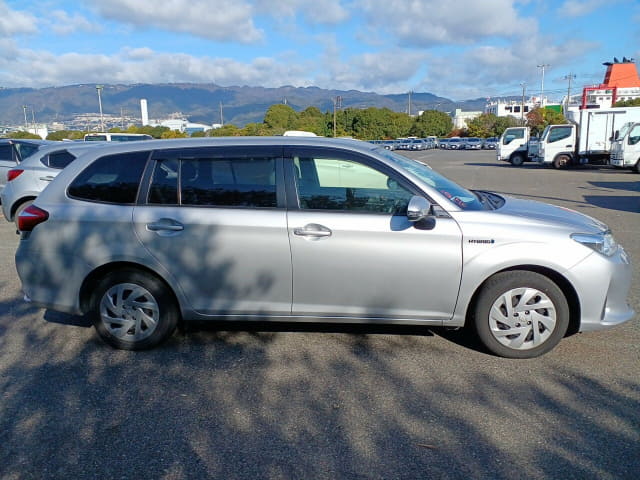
(435, 22)
(579, 8)
(13, 22)
(64, 24)
(29, 68)
(314, 11)
(498, 71)
(221, 20)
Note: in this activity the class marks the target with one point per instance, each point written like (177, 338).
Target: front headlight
(603, 243)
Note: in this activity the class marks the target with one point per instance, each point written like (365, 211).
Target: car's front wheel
(521, 314)
(133, 310)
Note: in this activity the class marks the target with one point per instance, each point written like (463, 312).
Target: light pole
(524, 86)
(542, 66)
(99, 89)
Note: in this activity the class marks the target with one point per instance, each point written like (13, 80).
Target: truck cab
(625, 150)
(557, 146)
(513, 145)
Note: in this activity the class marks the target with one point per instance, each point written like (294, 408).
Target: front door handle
(312, 230)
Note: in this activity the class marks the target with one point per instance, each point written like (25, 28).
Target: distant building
(621, 82)
(461, 118)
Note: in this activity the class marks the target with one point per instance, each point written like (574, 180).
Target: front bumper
(603, 285)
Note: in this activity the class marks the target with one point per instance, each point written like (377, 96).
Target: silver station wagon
(310, 229)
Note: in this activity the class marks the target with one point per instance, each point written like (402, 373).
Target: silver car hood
(551, 215)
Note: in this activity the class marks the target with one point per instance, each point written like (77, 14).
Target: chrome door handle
(48, 178)
(159, 227)
(312, 230)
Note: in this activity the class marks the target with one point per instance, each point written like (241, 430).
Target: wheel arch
(17, 204)
(94, 277)
(564, 285)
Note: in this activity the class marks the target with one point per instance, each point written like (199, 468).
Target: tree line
(363, 124)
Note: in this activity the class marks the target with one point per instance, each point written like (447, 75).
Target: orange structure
(619, 75)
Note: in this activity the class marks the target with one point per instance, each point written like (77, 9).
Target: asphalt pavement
(329, 402)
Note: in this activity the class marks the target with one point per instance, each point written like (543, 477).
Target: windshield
(461, 197)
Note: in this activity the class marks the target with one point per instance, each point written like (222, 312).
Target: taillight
(30, 217)
(13, 173)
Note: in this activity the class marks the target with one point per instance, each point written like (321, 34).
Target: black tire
(132, 310)
(561, 161)
(534, 331)
(637, 167)
(517, 159)
(19, 210)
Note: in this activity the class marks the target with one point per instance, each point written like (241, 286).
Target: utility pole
(542, 66)
(221, 119)
(524, 86)
(409, 107)
(337, 103)
(99, 89)
(569, 77)
(24, 109)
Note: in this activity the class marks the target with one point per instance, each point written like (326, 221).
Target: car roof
(55, 146)
(31, 141)
(110, 148)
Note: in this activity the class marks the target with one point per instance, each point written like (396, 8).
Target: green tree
(539, 118)
(490, 125)
(628, 103)
(311, 120)
(173, 134)
(66, 135)
(432, 122)
(280, 117)
(228, 130)
(23, 134)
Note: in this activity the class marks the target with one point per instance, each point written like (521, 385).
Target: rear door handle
(48, 178)
(312, 230)
(165, 225)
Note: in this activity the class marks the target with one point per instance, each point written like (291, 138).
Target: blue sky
(460, 49)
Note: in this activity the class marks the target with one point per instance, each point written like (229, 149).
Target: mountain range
(201, 103)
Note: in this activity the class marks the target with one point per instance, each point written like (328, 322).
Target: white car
(27, 179)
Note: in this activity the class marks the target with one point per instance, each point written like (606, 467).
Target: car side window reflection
(224, 182)
(347, 185)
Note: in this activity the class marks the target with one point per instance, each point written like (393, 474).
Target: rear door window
(58, 160)
(224, 181)
(111, 179)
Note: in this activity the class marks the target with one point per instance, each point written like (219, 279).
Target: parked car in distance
(140, 236)
(472, 143)
(455, 143)
(26, 180)
(13, 151)
(490, 143)
(443, 143)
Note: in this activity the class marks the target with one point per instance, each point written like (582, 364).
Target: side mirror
(419, 209)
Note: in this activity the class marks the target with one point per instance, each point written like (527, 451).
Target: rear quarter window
(111, 179)
(58, 160)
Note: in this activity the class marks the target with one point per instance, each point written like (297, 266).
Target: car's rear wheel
(521, 314)
(517, 160)
(561, 161)
(133, 310)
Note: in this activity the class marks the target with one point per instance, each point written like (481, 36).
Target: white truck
(625, 151)
(516, 146)
(587, 140)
